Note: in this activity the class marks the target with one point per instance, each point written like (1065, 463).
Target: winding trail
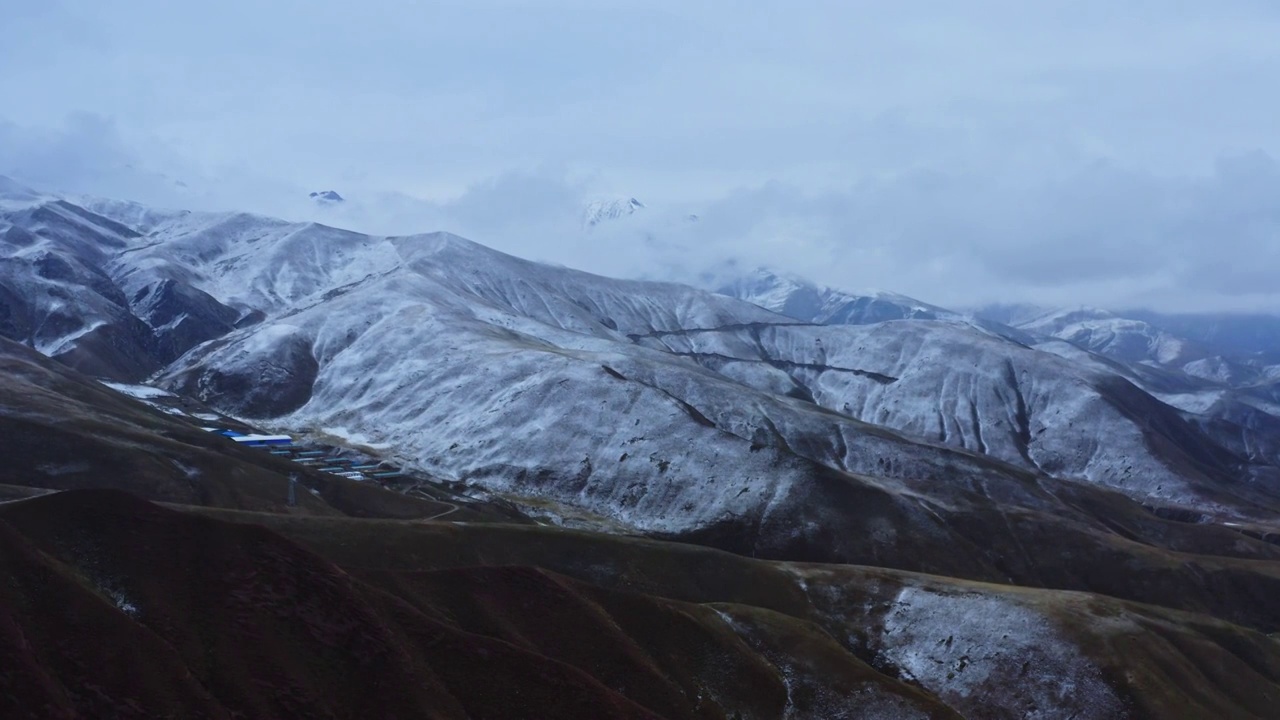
(453, 507)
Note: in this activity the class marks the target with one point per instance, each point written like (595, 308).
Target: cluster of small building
(342, 463)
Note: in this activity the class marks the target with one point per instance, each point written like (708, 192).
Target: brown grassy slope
(66, 651)
(250, 625)
(1164, 663)
(1085, 539)
(229, 620)
(1240, 591)
(668, 653)
(156, 613)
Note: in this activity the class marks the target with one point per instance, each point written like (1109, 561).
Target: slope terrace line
(723, 328)
(785, 364)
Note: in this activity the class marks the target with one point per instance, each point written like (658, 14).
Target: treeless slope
(680, 659)
(1237, 590)
(119, 608)
(66, 651)
(221, 620)
(225, 620)
(987, 651)
(60, 430)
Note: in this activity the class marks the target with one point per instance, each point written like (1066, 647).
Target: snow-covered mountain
(466, 359)
(792, 422)
(803, 300)
(810, 302)
(1236, 352)
(1230, 397)
(1118, 337)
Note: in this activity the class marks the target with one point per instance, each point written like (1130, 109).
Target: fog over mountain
(640, 359)
(962, 155)
(1065, 483)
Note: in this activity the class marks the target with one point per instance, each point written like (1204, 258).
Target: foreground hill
(203, 618)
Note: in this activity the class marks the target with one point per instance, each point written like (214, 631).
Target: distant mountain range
(1012, 454)
(1228, 349)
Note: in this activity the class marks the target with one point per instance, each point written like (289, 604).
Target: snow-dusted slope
(59, 292)
(381, 337)
(658, 405)
(522, 378)
(807, 301)
(1225, 397)
(803, 300)
(1139, 341)
(54, 295)
(958, 386)
(1117, 337)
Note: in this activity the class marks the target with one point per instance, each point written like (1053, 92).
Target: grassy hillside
(195, 616)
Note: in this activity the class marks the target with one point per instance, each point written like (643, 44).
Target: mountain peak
(607, 209)
(327, 197)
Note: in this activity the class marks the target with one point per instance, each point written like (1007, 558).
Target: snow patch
(977, 651)
(140, 392)
(122, 603)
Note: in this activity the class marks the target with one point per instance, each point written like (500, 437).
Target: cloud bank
(1052, 152)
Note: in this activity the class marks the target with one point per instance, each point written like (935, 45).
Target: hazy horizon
(1062, 154)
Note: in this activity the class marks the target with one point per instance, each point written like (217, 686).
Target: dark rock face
(71, 310)
(269, 386)
(119, 350)
(15, 315)
(181, 317)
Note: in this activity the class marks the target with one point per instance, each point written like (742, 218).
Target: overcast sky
(1086, 152)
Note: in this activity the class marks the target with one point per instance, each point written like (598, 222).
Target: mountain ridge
(891, 510)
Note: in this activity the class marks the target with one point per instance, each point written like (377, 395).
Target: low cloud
(1056, 152)
(1095, 234)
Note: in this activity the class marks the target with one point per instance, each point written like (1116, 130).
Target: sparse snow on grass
(978, 651)
(123, 603)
